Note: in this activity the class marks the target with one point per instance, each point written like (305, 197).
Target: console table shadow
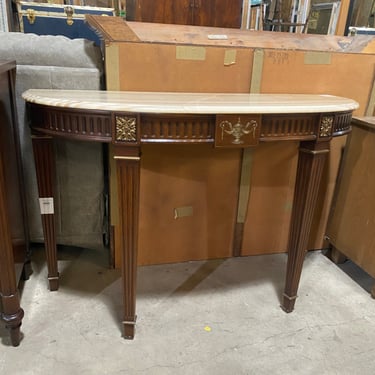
(128, 120)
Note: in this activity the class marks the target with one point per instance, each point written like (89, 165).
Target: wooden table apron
(127, 131)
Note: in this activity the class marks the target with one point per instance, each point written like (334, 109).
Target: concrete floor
(216, 317)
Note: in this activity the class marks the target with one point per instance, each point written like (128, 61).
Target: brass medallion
(126, 129)
(326, 126)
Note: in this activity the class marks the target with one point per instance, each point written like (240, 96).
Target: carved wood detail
(98, 125)
(341, 124)
(176, 128)
(289, 126)
(79, 124)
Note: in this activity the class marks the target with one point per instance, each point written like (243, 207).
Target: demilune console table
(129, 119)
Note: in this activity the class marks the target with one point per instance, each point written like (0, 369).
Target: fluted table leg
(45, 171)
(128, 172)
(11, 312)
(312, 156)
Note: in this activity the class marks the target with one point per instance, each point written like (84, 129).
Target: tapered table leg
(45, 171)
(312, 156)
(128, 172)
(11, 312)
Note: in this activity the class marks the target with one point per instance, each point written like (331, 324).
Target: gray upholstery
(60, 63)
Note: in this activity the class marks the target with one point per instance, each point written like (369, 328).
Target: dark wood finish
(128, 172)
(178, 128)
(13, 233)
(219, 13)
(45, 166)
(128, 131)
(312, 156)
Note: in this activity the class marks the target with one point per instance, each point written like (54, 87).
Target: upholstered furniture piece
(60, 63)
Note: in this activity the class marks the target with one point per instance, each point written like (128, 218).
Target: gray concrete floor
(217, 317)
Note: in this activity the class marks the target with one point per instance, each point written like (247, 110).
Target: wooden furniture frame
(350, 229)
(218, 13)
(13, 233)
(130, 119)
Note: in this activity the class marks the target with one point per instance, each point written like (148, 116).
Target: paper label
(190, 53)
(317, 58)
(230, 57)
(217, 37)
(183, 211)
(46, 206)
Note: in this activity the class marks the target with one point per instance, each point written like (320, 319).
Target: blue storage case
(353, 30)
(56, 19)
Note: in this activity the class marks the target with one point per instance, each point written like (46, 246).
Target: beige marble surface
(199, 103)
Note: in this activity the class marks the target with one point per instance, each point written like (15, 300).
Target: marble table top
(193, 103)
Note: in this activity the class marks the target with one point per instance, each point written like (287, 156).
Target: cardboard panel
(153, 67)
(188, 202)
(347, 75)
(270, 205)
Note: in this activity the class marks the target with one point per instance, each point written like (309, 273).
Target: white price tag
(217, 36)
(46, 206)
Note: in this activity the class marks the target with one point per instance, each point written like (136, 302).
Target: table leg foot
(26, 270)
(13, 324)
(53, 283)
(288, 303)
(129, 330)
(15, 335)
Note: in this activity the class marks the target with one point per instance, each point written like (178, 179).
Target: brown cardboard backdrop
(154, 67)
(196, 176)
